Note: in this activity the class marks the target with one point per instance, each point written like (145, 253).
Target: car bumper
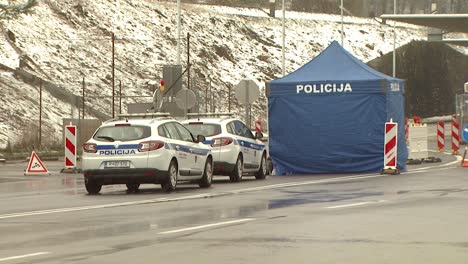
(124, 176)
(223, 168)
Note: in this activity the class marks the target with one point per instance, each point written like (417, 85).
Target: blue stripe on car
(251, 145)
(124, 146)
(202, 152)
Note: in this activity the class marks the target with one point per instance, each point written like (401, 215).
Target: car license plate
(117, 164)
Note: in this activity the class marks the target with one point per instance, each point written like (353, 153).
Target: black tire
(170, 184)
(236, 175)
(133, 187)
(269, 166)
(207, 177)
(92, 187)
(262, 171)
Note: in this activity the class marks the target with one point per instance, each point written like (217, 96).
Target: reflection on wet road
(287, 219)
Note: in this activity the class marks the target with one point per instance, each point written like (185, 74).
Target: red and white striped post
(70, 149)
(455, 135)
(440, 135)
(390, 148)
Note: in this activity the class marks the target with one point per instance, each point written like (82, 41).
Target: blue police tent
(329, 116)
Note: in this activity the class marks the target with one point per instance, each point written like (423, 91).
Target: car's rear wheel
(133, 187)
(236, 175)
(207, 177)
(262, 172)
(92, 187)
(170, 184)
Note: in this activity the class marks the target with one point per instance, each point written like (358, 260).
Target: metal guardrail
(433, 120)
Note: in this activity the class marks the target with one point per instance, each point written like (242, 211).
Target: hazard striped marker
(455, 135)
(35, 166)
(390, 148)
(70, 149)
(440, 135)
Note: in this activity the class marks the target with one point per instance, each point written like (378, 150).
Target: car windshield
(122, 133)
(207, 130)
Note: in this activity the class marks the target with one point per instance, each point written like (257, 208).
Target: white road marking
(354, 204)
(25, 256)
(207, 226)
(198, 196)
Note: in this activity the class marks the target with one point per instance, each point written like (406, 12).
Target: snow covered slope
(63, 41)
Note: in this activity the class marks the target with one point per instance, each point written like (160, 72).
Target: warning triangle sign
(35, 165)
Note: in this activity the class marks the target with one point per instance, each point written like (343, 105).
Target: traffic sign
(186, 99)
(35, 165)
(247, 91)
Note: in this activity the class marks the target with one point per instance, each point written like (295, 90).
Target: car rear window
(122, 133)
(207, 130)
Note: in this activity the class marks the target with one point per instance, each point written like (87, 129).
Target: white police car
(236, 151)
(147, 148)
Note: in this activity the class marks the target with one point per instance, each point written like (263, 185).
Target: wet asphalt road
(417, 217)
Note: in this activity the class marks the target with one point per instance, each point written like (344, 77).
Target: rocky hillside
(61, 42)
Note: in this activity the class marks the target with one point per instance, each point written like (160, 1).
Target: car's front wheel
(207, 177)
(170, 184)
(92, 187)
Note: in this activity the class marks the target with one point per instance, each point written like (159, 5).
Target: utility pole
(211, 99)
(342, 26)
(40, 114)
(113, 74)
(178, 32)
(394, 40)
(229, 98)
(284, 42)
(120, 96)
(188, 61)
(206, 99)
(83, 102)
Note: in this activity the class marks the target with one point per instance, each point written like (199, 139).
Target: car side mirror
(258, 135)
(200, 138)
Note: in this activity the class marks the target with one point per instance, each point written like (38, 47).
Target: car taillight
(219, 142)
(89, 148)
(150, 145)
